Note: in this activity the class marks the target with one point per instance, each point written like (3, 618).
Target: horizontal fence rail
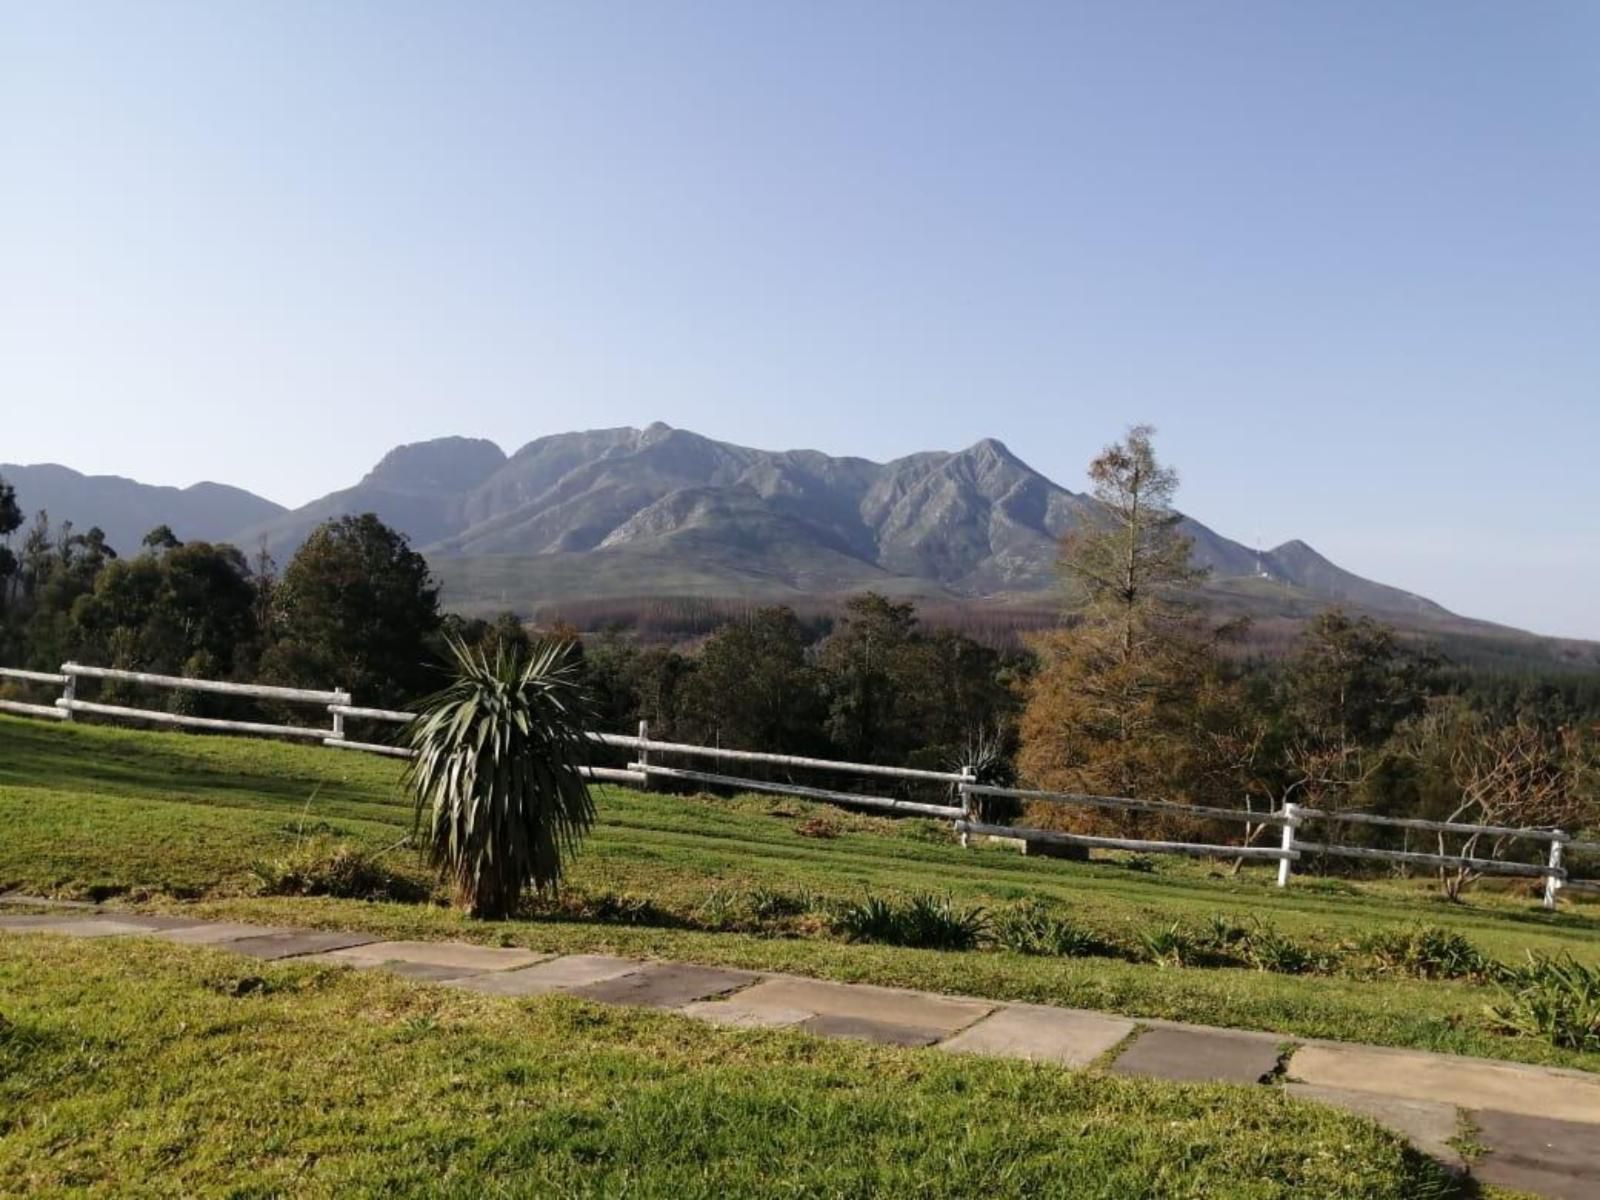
(962, 786)
(793, 789)
(23, 709)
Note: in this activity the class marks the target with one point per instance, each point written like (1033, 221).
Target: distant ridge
(638, 511)
(127, 510)
(618, 514)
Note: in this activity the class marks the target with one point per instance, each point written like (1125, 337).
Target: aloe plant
(500, 803)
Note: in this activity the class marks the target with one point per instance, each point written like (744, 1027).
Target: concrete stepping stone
(864, 1029)
(23, 899)
(666, 985)
(1039, 1033)
(1200, 1055)
(738, 1015)
(463, 957)
(1551, 1092)
(293, 943)
(557, 975)
(941, 1016)
(1429, 1125)
(69, 926)
(1556, 1159)
(215, 933)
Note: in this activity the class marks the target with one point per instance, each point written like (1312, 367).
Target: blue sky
(1345, 256)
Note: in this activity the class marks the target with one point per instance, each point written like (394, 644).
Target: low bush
(1035, 928)
(922, 922)
(1556, 999)
(1268, 950)
(1428, 952)
(318, 868)
(774, 904)
(1170, 946)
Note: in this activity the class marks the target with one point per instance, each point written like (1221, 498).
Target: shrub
(618, 909)
(495, 782)
(1428, 952)
(315, 868)
(1268, 950)
(1223, 933)
(1556, 999)
(770, 904)
(1172, 946)
(1034, 928)
(923, 922)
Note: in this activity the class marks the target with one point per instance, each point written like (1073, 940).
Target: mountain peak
(446, 464)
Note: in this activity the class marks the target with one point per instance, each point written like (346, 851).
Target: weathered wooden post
(1553, 881)
(968, 778)
(1290, 820)
(644, 752)
(343, 701)
(69, 690)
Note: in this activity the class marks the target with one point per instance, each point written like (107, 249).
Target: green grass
(172, 820)
(135, 1067)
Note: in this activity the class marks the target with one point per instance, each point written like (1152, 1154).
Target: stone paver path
(1540, 1126)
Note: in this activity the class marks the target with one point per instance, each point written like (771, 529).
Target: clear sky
(1345, 256)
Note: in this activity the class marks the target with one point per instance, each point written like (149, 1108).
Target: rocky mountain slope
(636, 511)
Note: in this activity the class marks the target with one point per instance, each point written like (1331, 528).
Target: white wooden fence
(1292, 847)
(962, 786)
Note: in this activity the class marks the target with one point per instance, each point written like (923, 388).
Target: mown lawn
(169, 820)
(134, 1067)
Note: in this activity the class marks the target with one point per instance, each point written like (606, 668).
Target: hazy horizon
(1346, 259)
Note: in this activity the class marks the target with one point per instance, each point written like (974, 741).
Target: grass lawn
(171, 820)
(134, 1067)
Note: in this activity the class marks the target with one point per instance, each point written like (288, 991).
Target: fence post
(1290, 820)
(338, 717)
(644, 754)
(968, 778)
(69, 690)
(1552, 882)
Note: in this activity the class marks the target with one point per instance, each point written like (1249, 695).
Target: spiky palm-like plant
(496, 775)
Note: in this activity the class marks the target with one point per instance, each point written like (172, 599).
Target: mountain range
(666, 512)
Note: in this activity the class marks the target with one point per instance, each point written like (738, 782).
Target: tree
(1349, 687)
(161, 538)
(1130, 694)
(496, 773)
(754, 687)
(1124, 562)
(189, 610)
(354, 609)
(10, 522)
(864, 665)
(1514, 775)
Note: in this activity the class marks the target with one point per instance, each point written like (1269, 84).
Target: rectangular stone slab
(1429, 1125)
(1041, 1034)
(464, 955)
(1557, 1159)
(665, 985)
(863, 1029)
(294, 943)
(22, 923)
(557, 975)
(736, 1014)
(940, 1015)
(1469, 1082)
(215, 933)
(73, 926)
(1200, 1055)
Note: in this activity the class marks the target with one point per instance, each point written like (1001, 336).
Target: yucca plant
(498, 795)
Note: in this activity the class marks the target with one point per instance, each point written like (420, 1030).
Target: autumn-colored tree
(1515, 775)
(1130, 697)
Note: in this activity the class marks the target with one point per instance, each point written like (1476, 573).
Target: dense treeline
(1135, 691)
